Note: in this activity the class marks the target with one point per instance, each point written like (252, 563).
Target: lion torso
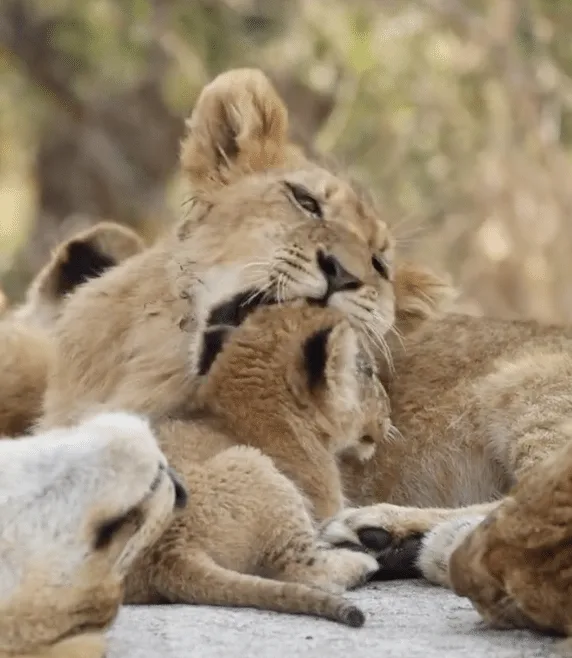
(462, 387)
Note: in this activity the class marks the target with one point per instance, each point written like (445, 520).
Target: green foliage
(458, 113)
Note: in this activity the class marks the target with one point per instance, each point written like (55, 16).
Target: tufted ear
(419, 296)
(239, 126)
(330, 361)
(86, 255)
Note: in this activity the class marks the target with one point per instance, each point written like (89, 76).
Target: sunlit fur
(26, 348)
(58, 590)
(123, 338)
(286, 393)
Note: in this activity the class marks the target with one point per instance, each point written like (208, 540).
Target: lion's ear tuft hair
(239, 126)
(420, 295)
(213, 341)
(330, 357)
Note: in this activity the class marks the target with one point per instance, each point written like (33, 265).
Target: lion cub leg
(89, 645)
(334, 569)
(245, 524)
(396, 535)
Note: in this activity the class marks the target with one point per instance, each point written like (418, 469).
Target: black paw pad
(399, 559)
(375, 539)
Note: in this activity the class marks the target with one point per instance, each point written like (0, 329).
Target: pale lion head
(77, 507)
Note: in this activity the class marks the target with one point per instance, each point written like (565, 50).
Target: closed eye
(381, 267)
(109, 529)
(302, 198)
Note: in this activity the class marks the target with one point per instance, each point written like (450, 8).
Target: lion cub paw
(438, 545)
(348, 569)
(390, 533)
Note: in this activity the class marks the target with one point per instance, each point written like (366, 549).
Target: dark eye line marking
(304, 199)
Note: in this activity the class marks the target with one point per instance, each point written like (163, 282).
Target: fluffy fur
(479, 402)
(26, 349)
(77, 507)
(84, 256)
(294, 383)
(515, 564)
(258, 216)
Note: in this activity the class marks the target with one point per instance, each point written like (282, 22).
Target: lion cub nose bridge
(337, 276)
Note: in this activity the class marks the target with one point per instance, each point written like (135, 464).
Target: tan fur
(25, 358)
(45, 296)
(478, 403)
(88, 645)
(248, 537)
(26, 349)
(514, 565)
(61, 586)
(258, 389)
(123, 339)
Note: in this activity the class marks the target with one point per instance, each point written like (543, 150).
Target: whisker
(380, 340)
(395, 331)
(394, 434)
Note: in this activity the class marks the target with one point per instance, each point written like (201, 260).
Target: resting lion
(294, 384)
(477, 401)
(77, 507)
(25, 344)
(514, 564)
(260, 220)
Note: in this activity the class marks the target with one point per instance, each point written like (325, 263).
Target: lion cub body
(289, 383)
(259, 216)
(296, 383)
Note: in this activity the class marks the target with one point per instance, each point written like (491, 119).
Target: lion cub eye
(380, 266)
(305, 200)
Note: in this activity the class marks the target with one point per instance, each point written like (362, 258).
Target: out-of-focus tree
(458, 113)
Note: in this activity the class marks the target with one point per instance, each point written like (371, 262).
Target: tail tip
(353, 616)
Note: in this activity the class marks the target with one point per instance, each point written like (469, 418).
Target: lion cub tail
(217, 585)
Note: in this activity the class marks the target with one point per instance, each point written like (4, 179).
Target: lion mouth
(234, 311)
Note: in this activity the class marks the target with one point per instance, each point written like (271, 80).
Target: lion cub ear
(86, 255)
(239, 126)
(330, 359)
(419, 296)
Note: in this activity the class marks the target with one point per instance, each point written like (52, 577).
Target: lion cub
(293, 380)
(77, 506)
(515, 564)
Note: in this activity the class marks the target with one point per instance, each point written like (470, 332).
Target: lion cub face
(295, 366)
(77, 506)
(261, 217)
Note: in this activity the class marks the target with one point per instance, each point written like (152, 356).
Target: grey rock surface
(404, 619)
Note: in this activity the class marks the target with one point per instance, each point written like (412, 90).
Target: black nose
(181, 495)
(337, 276)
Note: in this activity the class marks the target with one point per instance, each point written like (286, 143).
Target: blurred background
(457, 113)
